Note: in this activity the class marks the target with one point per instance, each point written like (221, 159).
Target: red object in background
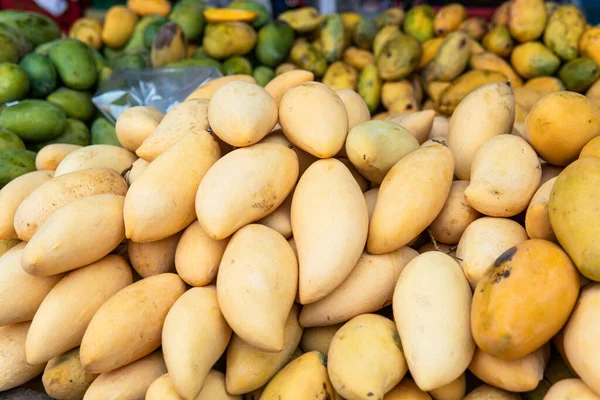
(483, 12)
(65, 20)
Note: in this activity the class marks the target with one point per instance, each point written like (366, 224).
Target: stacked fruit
(277, 243)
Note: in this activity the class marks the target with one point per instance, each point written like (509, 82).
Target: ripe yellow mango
(314, 118)
(410, 197)
(191, 352)
(207, 90)
(537, 218)
(135, 124)
(249, 368)
(35, 209)
(51, 155)
(168, 189)
(64, 377)
(527, 19)
(128, 382)
(407, 389)
(68, 309)
(507, 331)
(96, 156)
(119, 24)
(280, 85)
(77, 234)
(572, 214)
(153, 258)
(486, 112)
(419, 123)
(365, 357)
(257, 284)
(318, 338)
(138, 310)
(431, 305)
(11, 196)
(357, 109)
(455, 390)
(243, 187)
(571, 389)
(591, 149)
(368, 288)
(162, 389)
(14, 370)
(330, 223)
(485, 392)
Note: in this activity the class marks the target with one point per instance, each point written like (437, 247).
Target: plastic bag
(160, 88)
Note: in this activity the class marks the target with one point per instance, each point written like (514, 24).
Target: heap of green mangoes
(53, 80)
(397, 61)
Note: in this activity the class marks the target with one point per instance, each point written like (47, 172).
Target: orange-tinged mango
(508, 319)
(217, 15)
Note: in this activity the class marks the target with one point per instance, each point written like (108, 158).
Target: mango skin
(589, 44)
(75, 64)
(527, 19)
(565, 27)
(369, 86)
(573, 214)
(228, 39)
(507, 320)
(579, 74)
(534, 59)
(419, 23)
(499, 41)
(465, 84)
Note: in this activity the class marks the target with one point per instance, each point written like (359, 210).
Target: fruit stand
(210, 203)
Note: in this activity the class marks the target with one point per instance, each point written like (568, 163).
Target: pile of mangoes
(53, 80)
(277, 243)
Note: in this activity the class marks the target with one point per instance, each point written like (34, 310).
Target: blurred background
(65, 12)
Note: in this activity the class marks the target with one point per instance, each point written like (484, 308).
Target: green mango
(274, 43)
(13, 45)
(249, 5)
(419, 23)
(137, 37)
(263, 75)
(190, 17)
(228, 39)
(14, 82)
(14, 163)
(565, 27)
(237, 65)
(9, 140)
(103, 75)
(98, 59)
(151, 31)
(308, 57)
(332, 38)
(136, 59)
(103, 132)
(579, 74)
(41, 72)
(364, 33)
(199, 62)
(369, 86)
(533, 59)
(75, 64)
(75, 104)
(34, 120)
(75, 132)
(398, 58)
(35, 27)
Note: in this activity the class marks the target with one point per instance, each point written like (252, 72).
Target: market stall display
(402, 207)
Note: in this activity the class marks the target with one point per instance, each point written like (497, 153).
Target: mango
(15, 163)
(65, 378)
(533, 59)
(419, 123)
(386, 34)
(228, 39)
(358, 58)
(527, 19)
(485, 392)
(369, 86)
(464, 85)
(537, 218)
(255, 315)
(564, 29)
(75, 104)
(15, 371)
(15, 83)
(548, 121)
(571, 388)
(589, 44)
(492, 62)
(119, 24)
(280, 85)
(103, 132)
(88, 30)
(303, 20)
(418, 23)
(364, 33)
(9, 140)
(190, 18)
(75, 132)
(476, 27)
(407, 389)
(356, 107)
(67, 309)
(274, 43)
(75, 64)
(153, 258)
(249, 5)
(308, 57)
(42, 74)
(393, 63)
(545, 84)
(35, 27)
(579, 74)
(34, 120)
(390, 16)
(448, 18)
(372, 339)
(332, 38)
(187, 357)
(449, 226)
(498, 41)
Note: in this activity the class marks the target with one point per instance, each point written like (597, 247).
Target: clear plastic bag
(160, 88)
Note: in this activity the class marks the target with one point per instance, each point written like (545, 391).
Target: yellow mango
(419, 123)
(428, 51)
(119, 24)
(407, 389)
(21, 292)
(492, 62)
(358, 58)
(461, 87)
(128, 382)
(153, 258)
(431, 306)
(557, 134)
(162, 389)
(280, 85)
(368, 288)
(96, 156)
(88, 30)
(455, 217)
(138, 310)
(11, 196)
(217, 15)
(571, 389)
(79, 233)
(43, 201)
(51, 155)
(304, 378)
(564, 29)
(589, 44)
(454, 390)
(485, 392)
(64, 377)
(448, 18)
(591, 149)
(533, 59)
(519, 375)
(527, 19)
(365, 358)
(68, 308)
(476, 27)
(357, 109)
(249, 368)
(501, 14)
(318, 338)
(207, 90)
(340, 75)
(439, 128)
(304, 159)
(14, 369)
(406, 188)
(149, 7)
(330, 235)
(498, 41)
(214, 387)
(135, 124)
(269, 186)
(545, 84)
(537, 218)
(187, 356)
(508, 332)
